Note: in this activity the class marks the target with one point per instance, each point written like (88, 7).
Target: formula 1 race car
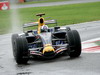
(45, 42)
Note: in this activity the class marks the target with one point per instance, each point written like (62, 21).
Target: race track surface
(86, 64)
(51, 3)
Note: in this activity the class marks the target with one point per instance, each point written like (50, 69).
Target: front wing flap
(58, 49)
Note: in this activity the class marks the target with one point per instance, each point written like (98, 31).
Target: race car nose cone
(48, 48)
(48, 51)
(49, 54)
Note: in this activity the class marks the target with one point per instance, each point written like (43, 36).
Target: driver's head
(44, 28)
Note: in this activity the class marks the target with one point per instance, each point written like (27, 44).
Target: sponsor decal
(4, 7)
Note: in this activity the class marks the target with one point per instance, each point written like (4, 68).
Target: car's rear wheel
(21, 50)
(74, 43)
(68, 29)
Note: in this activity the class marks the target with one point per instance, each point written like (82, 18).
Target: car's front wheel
(13, 38)
(21, 50)
(74, 43)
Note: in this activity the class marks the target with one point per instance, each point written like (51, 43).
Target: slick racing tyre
(74, 43)
(21, 50)
(13, 38)
(68, 29)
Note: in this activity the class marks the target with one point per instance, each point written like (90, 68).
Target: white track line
(89, 46)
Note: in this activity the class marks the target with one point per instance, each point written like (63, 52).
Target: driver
(44, 28)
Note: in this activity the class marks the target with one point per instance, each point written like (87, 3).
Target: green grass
(65, 14)
(42, 1)
(5, 22)
(98, 43)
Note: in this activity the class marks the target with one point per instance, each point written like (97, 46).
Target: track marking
(90, 42)
(90, 46)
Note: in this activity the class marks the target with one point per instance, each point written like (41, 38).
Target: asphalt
(51, 3)
(86, 64)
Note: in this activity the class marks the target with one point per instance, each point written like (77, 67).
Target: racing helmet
(44, 28)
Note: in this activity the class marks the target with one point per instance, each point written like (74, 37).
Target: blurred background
(14, 13)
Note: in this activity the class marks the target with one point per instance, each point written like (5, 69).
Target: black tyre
(21, 50)
(68, 29)
(13, 38)
(26, 34)
(74, 43)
